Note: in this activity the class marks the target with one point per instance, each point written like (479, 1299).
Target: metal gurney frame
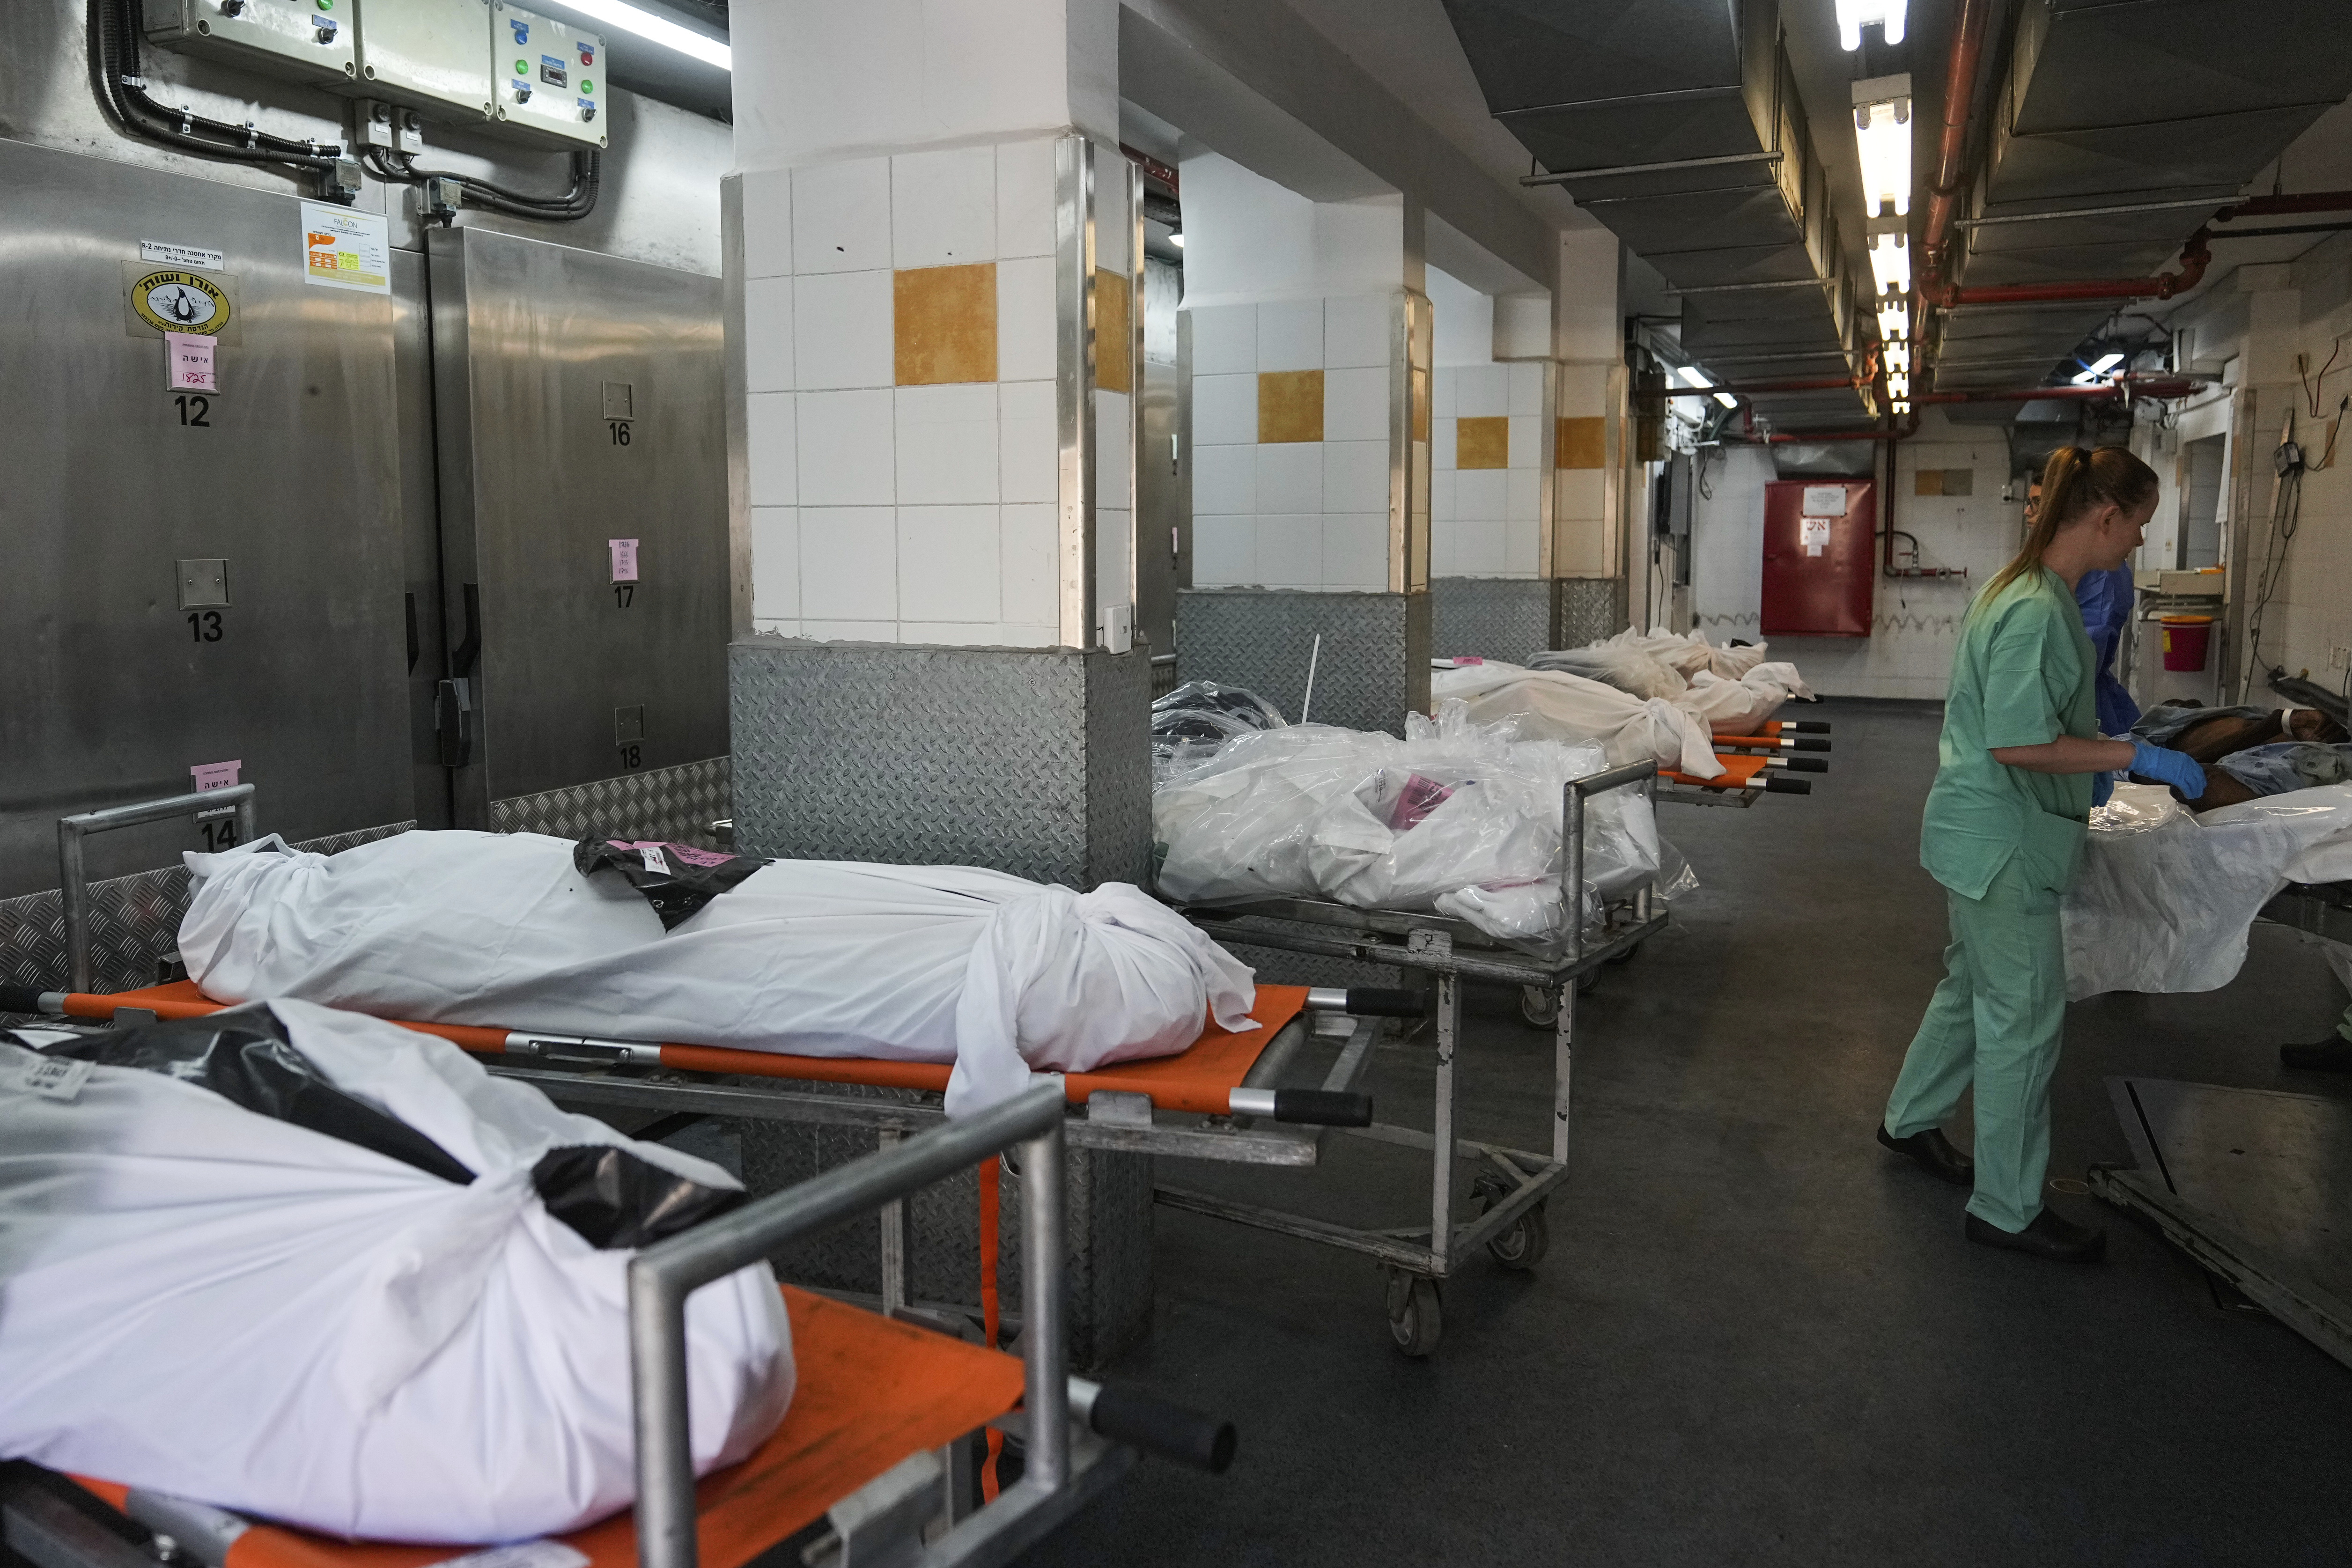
(1516, 1182)
(870, 1463)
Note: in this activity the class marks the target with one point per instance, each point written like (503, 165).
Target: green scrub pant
(1997, 1018)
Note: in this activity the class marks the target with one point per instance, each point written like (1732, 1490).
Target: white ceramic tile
(850, 631)
(1290, 335)
(768, 334)
(1356, 405)
(1356, 550)
(841, 331)
(768, 224)
(1520, 537)
(1024, 198)
(1478, 546)
(770, 449)
(1356, 332)
(1028, 447)
(1290, 477)
(849, 563)
(841, 216)
(775, 562)
(1479, 493)
(1441, 550)
(1444, 389)
(1030, 585)
(948, 564)
(1113, 450)
(1224, 340)
(1024, 320)
(845, 448)
(1114, 556)
(1482, 391)
(1224, 411)
(955, 634)
(943, 207)
(1224, 551)
(1224, 480)
(946, 441)
(1011, 636)
(1526, 389)
(1577, 493)
(1441, 433)
(775, 628)
(1522, 496)
(1584, 390)
(1355, 476)
(1114, 219)
(1290, 550)
(1527, 441)
(1441, 493)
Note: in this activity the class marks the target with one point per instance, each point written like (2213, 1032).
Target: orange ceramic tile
(1421, 405)
(1581, 442)
(1114, 333)
(1289, 405)
(944, 329)
(1482, 443)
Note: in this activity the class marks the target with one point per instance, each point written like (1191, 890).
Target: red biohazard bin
(2186, 639)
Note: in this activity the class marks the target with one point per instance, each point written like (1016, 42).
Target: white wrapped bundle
(996, 973)
(232, 1307)
(1552, 704)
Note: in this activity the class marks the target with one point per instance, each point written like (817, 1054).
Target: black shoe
(2332, 1054)
(1935, 1154)
(2050, 1236)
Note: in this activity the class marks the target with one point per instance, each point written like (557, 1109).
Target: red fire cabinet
(1821, 552)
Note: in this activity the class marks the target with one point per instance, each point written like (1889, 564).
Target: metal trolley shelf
(1512, 1184)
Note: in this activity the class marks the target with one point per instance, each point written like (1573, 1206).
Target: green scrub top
(2022, 675)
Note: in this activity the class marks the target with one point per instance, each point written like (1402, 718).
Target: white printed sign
(181, 255)
(1824, 501)
(189, 357)
(215, 775)
(1813, 533)
(625, 559)
(53, 1077)
(346, 249)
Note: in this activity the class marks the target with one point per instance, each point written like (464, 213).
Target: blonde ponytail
(2073, 482)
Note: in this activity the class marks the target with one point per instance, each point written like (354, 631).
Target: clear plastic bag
(1190, 723)
(2135, 808)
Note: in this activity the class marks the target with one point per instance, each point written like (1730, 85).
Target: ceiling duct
(1676, 123)
(2118, 126)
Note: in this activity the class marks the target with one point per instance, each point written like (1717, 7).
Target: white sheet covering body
(2163, 898)
(996, 973)
(210, 1302)
(1552, 705)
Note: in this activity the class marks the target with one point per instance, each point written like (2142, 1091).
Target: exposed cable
(574, 204)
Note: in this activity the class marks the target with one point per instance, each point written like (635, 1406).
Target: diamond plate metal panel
(1375, 664)
(1107, 1219)
(1033, 761)
(134, 923)
(1491, 617)
(677, 804)
(1590, 608)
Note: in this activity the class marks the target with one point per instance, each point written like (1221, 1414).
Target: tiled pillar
(1308, 365)
(1586, 550)
(933, 258)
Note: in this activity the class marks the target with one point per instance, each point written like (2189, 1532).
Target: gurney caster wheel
(1522, 1243)
(1415, 1319)
(1538, 1006)
(1629, 955)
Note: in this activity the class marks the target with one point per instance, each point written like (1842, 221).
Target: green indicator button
(326, 4)
(523, 68)
(587, 86)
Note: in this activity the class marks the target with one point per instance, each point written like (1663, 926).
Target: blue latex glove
(2177, 768)
(2103, 788)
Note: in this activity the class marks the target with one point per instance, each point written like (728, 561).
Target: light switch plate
(628, 724)
(203, 584)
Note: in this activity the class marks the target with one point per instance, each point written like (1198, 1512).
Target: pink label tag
(1468, 659)
(625, 559)
(686, 853)
(1418, 798)
(215, 775)
(190, 357)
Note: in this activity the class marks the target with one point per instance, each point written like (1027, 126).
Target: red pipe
(2194, 259)
(2157, 387)
(1959, 91)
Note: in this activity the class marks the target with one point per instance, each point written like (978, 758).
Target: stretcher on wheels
(1512, 1185)
(872, 1460)
(1754, 765)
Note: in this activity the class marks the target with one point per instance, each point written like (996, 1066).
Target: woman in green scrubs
(2004, 824)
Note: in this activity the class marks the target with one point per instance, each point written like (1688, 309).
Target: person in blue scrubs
(2003, 828)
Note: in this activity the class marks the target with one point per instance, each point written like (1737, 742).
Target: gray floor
(1757, 1339)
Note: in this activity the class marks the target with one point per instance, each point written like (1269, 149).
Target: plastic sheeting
(227, 1306)
(997, 975)
(1457, 817)
(1632, 659)
(1552, 705)
(2162, 903)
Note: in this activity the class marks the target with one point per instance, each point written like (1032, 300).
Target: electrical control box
(432, 55)
(548, 78)
(310, 40)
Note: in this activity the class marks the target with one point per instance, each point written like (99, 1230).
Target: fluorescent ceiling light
(656, 29)
(1698, 378)
(2098, 371)
(1890, 264)
(1898, 387)
(1897, 356)
(1882, 131)
(1895, 321)
(1177, 240)
(1900, 405)
(1852, 15)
